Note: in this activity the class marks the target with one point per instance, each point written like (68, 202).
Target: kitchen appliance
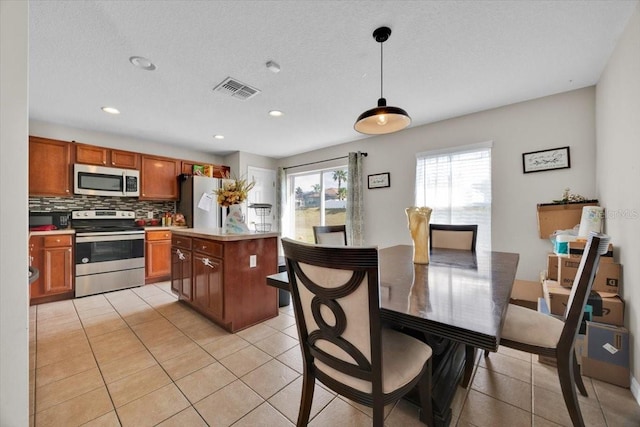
(48, 220)
(198, 203)
(109, 251)
(103, 181)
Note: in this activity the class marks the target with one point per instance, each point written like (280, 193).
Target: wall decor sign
(379, 180)
(544, 160)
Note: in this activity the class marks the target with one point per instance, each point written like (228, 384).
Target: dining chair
(334, 235)
(335, 293)
(449, 236)
(463, 237)
(538, 333)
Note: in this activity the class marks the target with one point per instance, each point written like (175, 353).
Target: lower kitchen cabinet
(224, 278)
(208, 288)
(181, 277)
(157, 256)
(53, 257)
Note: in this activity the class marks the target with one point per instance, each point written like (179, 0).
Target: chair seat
(403, 358)
(530, 327)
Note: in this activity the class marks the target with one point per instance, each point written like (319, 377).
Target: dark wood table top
(459, 295)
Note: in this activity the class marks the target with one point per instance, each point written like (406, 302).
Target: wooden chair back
(336, 303)
(332, 235)
(448, 236)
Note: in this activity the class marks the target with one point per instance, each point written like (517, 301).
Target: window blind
(456, 184)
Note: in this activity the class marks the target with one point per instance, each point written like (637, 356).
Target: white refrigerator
(198, 203)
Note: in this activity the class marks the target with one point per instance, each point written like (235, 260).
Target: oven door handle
(109, 237)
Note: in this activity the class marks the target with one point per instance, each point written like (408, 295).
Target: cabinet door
(208, 290)
(181, 273)
(187, 167)
(49, 167)
(158, 260)
(125, 159)
(91, 155)
(159, 176)
(58, 270)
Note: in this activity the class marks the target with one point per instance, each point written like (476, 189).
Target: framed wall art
(379, 180)
(544, 160)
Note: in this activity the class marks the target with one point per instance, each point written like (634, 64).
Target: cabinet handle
(66, 191)
(208, 263)
(57, 240)
(113, 163)
(166, 235)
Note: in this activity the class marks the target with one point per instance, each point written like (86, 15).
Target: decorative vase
(418, 218)
(234, 223)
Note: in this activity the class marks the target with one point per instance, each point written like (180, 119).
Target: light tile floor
(140, 358)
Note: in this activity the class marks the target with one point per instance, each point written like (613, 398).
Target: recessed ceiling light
(218, 136)
(275, 113)
(142, 63)
(110, 110)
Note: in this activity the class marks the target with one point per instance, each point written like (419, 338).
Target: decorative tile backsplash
(83, 202)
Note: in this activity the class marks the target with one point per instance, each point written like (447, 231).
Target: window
(456, 184)
(320, 198)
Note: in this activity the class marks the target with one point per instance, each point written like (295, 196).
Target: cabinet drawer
(181, 242)
(58, 240)
(159, 235)
(208, 247)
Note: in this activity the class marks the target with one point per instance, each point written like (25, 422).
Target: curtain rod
(322, 161)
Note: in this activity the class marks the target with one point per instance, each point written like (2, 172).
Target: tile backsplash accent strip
(83, 202)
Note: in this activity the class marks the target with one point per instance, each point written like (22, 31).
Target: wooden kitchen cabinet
(157, 257)
(228, 276)
(159, 178)
(101, 156)
(49, 167)
(208, 288)
(181, 275)
(53, 257)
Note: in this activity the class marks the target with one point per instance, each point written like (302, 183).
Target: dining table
(456, 303)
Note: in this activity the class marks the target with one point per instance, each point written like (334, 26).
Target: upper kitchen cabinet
(159, 178)
(49, 167)
(93, 155)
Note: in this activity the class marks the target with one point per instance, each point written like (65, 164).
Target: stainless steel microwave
(103, 181)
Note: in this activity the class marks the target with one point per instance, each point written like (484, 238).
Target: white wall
(65, 133)
(14, 290)
(618, 169)
(553, 121)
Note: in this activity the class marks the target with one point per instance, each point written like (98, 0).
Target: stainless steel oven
(109, 251)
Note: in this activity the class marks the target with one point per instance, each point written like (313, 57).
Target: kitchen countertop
(52, 232)
(219, 234)
(164, 227)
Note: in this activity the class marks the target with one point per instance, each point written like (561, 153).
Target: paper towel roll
(591, 220)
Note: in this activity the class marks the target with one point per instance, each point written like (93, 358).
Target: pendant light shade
(382, 119)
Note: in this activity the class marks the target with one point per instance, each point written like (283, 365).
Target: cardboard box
(606, 309)
(552, 267)
(607, 354)
(560, 216)
(577, 248)
(607, 277)
(526, 293)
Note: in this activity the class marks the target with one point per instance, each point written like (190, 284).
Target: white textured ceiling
(443, 59)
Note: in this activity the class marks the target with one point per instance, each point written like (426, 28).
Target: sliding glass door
(317, 198)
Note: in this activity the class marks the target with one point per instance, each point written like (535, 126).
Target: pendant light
(382, 119)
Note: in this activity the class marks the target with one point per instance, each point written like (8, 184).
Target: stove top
(104, 221)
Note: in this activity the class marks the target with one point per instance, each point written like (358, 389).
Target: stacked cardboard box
(602, 344)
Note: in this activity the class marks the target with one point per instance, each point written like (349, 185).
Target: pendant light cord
(381, 70)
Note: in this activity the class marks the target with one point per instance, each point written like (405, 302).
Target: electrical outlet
(150, 214)
(253, 261)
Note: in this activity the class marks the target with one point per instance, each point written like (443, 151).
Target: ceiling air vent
(236, 89)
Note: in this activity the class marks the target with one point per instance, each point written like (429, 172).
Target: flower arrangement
(233, 191)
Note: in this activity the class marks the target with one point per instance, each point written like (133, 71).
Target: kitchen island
(222, 276)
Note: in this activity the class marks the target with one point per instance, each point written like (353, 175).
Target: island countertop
(220, 235)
